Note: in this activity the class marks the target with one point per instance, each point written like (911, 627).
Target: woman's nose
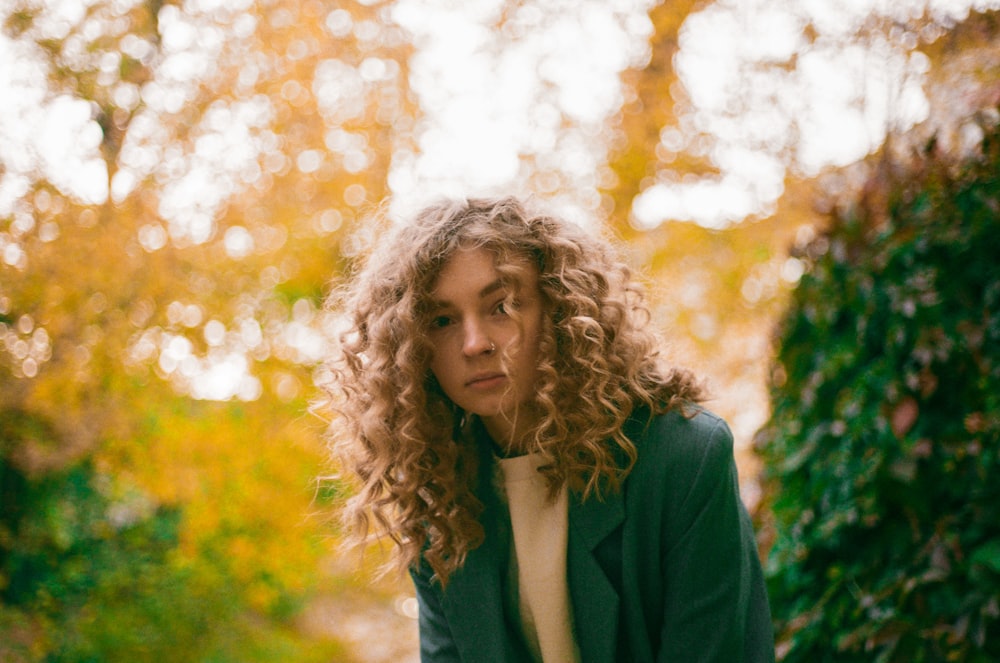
(476, 341)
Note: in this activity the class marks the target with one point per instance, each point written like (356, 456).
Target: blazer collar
(593, 520)
(596, 602)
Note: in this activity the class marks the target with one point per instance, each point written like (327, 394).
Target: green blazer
(664, 570)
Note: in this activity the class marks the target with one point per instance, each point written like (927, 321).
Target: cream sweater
(540, 529)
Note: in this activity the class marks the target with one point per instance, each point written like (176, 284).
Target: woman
(554, 490)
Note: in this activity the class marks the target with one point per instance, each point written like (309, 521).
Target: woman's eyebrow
(491, 288)
(486, 291)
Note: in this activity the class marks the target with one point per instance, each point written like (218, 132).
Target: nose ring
(493, 346)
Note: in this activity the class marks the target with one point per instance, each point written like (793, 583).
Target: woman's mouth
(485, 381)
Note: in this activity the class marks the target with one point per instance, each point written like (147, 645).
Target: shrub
(881, 453)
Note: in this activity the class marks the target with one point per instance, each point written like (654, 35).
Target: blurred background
(181, 182)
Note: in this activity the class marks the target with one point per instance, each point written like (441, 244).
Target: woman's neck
(510, 436)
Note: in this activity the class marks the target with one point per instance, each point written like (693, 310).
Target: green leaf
(987, 555)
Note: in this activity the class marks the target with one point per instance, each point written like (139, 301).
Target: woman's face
(472, 330)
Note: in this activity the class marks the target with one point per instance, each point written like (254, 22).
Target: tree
(158, 312)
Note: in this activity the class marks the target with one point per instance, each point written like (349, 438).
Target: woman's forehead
(480, 270)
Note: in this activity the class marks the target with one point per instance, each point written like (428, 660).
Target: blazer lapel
(595, 601)
(473, 603)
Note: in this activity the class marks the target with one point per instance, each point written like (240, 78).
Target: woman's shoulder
(683, 441)
(680, 426)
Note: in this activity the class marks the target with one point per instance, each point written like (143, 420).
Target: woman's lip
(486, 381)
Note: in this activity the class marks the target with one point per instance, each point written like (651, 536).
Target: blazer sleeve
(436, 642)
(715, 607)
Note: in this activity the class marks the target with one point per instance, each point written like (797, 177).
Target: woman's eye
(441, 321)
(505, 306)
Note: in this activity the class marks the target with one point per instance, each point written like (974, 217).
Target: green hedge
(881, 455)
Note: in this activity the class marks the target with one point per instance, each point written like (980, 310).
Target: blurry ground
(373, 631)
(375, 622)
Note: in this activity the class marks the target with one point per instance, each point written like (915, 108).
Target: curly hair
(411, 448)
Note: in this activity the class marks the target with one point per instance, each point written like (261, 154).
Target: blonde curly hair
(411, 448)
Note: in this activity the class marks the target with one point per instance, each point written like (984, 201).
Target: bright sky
(490, 100)
(495, 102)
